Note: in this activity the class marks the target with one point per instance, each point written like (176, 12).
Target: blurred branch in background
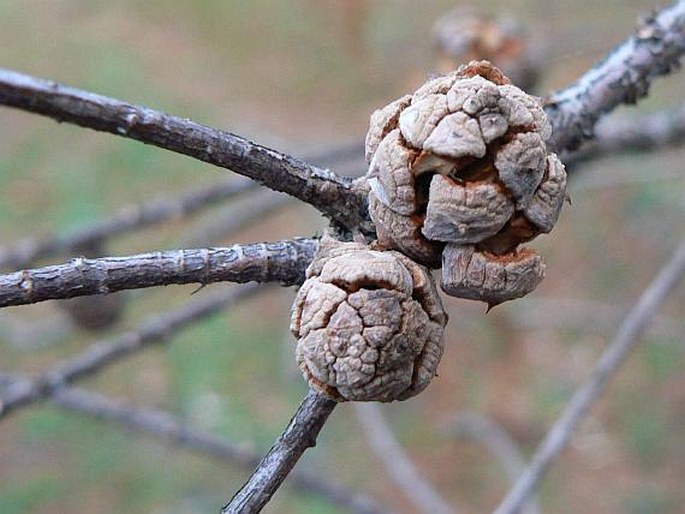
(280, 261)
(132, 217)
(554, 313)
(397, 463)
(163, 425)
(476, 426)
(621, 134)
(615, 354)
(157, 329)
(233, 218)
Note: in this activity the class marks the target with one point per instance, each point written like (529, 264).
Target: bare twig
(622, 77)
(280, 261)
(300, 434)
(397, 463)
(479, 427)
(157, 329)
(130, 217)
(336, 197)
(610, 361)
(163, 425)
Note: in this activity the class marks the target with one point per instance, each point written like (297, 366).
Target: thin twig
(610, 361)
(474, 425)
(163, 425)
(417, 489)
(157, 329)
(280, 261)
(336, 197)
(300, 434)
(622, 77)
(128, 218)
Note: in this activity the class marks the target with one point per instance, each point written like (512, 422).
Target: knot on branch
(369, 324)
(460, 176)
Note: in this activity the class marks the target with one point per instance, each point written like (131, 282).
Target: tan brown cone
(368, 324)
(461, 168)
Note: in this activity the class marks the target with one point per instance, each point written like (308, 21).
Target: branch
(280, 261)
(162, 425)
(398, 465)
(130, 217)
(300, 434)
(610, 361)
(476, 426)
(336, 197)
(157, 329)
(622, 77)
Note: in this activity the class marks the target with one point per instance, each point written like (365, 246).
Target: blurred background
(303, 76)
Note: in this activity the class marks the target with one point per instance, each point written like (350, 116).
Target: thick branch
(622, 77)
(130, 217)
(163, 425)
(281, 261)
(300, 434)
(610, 361)
(157, 329)
(334, 196)
(418, 490)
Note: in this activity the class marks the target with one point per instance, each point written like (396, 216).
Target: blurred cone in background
(466, 34)
(97, 312)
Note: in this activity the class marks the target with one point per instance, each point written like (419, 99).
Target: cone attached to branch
(369, 324)
(460, 176)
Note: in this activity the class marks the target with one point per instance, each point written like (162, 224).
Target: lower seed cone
(369, 324)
